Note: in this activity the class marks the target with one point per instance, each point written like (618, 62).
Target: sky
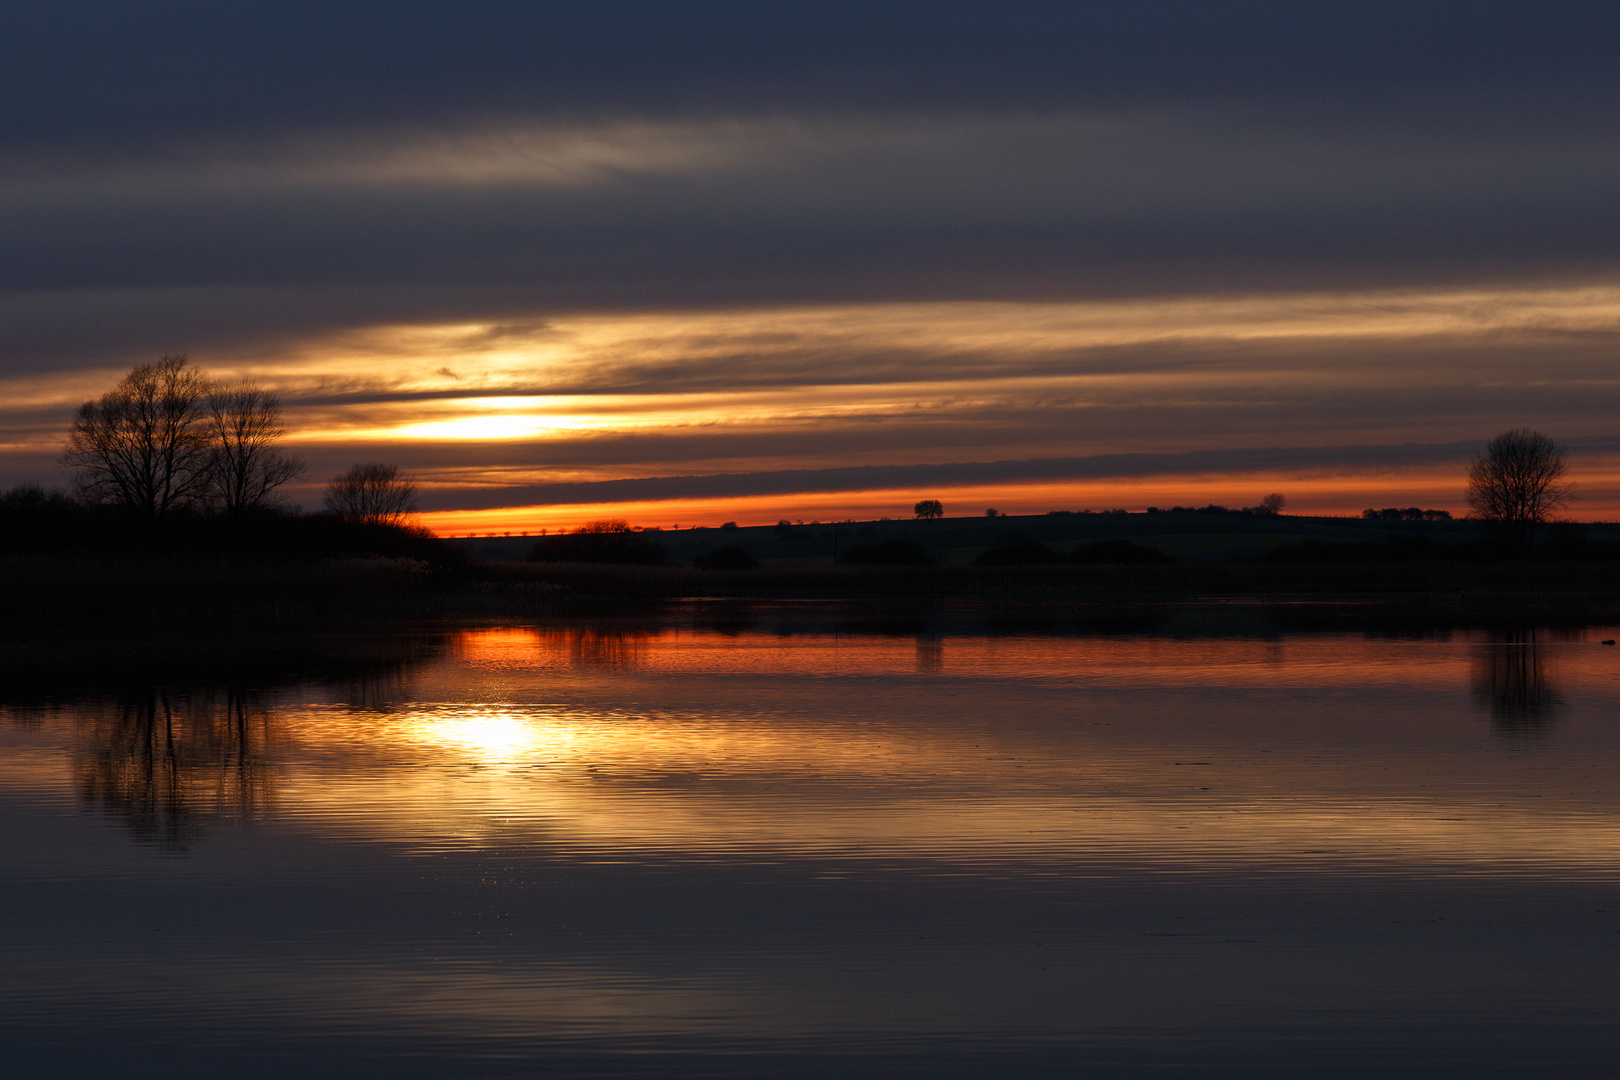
(688, 263)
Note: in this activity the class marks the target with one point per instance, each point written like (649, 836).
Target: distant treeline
(1212, 508)
(1410, 513)
(611, 541)
(1270, 506)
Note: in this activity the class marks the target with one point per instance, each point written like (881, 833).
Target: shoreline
(91, 618)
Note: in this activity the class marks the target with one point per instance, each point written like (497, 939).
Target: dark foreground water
(683, 851)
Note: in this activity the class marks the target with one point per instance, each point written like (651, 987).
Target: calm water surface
(676, 850)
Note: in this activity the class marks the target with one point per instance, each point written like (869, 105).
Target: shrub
(1017, 550)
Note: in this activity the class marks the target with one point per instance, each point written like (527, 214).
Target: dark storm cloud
(214, 254)
(127, 74)
(307, 156)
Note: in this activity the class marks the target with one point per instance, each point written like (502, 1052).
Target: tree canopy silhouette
(929, 509)
(1517, 482)
(247, 466)
(372, 494)
(144, 444)
(1271, 505)
(167, 437)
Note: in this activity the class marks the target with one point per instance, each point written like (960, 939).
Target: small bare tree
(1518, 481)
(144, 444)
(244, 426)
(1272, 504)
(929, 509)
(372, 493)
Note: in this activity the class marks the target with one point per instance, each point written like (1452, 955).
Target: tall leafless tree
(372, 493)
(1518, 481)
(144, 444)
(247, 466)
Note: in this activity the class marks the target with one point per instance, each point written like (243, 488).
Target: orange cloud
(602, 396)
(1337, 495)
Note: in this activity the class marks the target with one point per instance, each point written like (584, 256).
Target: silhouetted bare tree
(144, 444)
(247, 466)
(929, 509)
(1518, 481)
(372, 493)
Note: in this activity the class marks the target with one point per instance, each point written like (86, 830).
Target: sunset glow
(1337, 497)
(489, 416)
(645, 539)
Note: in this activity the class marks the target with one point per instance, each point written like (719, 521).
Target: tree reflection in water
(1512, 681)
(375, 691)
(171, 763)
(588, 648)
(171, 738)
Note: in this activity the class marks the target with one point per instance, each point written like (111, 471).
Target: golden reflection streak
(719, 778)
(816, 746)
(583, 789)
(524, 655)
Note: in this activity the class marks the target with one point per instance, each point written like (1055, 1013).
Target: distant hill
(1186, 537)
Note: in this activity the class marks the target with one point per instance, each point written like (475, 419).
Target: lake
(783, 843)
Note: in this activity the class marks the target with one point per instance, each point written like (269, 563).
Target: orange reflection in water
(991, 752)
(1464, 753)
(1098, 662)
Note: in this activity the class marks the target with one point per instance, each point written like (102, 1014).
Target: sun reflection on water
(484, 737)
(1004, 751)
